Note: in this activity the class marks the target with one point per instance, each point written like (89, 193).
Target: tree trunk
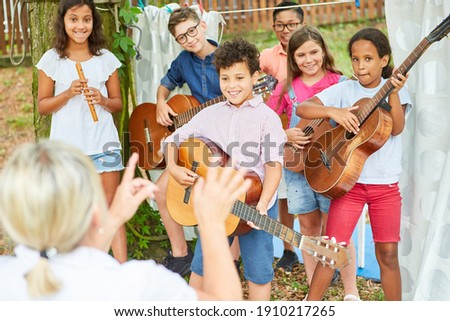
(41, 16)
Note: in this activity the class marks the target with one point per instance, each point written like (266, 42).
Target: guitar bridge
(188, 190)
(148, 137)
(325, 160)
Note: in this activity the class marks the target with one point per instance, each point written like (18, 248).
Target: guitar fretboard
(185, 117)
(386, 89)
(266, 223)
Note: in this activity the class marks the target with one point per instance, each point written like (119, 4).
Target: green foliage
(143, 229)
(123, 45)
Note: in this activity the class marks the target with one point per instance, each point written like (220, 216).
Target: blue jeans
(256, 251)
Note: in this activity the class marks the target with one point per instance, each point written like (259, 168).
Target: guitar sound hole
(349, 135)
(171, 128)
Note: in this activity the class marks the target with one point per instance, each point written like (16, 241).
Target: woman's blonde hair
(48, 192)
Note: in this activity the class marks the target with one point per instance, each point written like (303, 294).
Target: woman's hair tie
(48, 253)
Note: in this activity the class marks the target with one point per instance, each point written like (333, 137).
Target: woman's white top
(90, 274)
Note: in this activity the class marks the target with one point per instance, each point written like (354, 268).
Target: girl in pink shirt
(310, 69)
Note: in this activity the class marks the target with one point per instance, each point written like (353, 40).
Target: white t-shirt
(90, 274)
(383, 166)
(73, 123)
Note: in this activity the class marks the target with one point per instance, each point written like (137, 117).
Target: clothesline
(287, 7)
(166, 7)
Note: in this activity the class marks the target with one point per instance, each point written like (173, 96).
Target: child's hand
(130, 193)
(182, 175)
(214, 196)
(297, 138)
(398, 80)
(94, 96)
(261, 207)
(346, 118)
(163, 110)
(76, 88)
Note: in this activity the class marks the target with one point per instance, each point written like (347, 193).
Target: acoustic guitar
(198, 155)
(294, 158)
(146, 134)
(335, 160)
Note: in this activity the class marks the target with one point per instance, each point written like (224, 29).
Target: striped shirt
(252, 134)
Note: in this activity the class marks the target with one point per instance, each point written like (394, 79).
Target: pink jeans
(384, 203)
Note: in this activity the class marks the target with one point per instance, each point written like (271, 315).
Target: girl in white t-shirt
(66, 97)
(377, 185)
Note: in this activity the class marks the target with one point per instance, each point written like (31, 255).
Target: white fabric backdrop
(425, 182)
(158, 48)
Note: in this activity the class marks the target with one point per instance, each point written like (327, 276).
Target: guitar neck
(266, 223)
(384, 91)
(185, 117)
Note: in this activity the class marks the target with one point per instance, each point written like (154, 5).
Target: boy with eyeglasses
(193, 66)
(287, 17)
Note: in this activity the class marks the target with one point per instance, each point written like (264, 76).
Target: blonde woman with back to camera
(53, 207)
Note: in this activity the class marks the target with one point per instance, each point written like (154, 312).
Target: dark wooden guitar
(146, 134)
(335, 160)
(294, 158)
(198, 155)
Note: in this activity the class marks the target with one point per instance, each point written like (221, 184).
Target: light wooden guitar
(198, 155)
(335, 160)
(146, 134)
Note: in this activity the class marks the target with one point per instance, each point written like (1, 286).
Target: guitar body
(345, 153)
(146, 134)
(294, 159)
(206, 154)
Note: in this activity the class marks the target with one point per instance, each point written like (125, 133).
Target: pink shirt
(273, 61)
(251, 134)
(302, 92)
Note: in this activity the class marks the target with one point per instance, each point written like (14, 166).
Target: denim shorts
(256, 251)
(301, 198)
(109, 161)
(282, 189)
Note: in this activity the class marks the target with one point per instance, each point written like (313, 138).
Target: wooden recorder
(91, 106)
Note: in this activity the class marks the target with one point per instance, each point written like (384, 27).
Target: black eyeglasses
(191, 32)
(279, 27)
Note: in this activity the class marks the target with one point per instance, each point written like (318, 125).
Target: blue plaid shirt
(200, 75)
